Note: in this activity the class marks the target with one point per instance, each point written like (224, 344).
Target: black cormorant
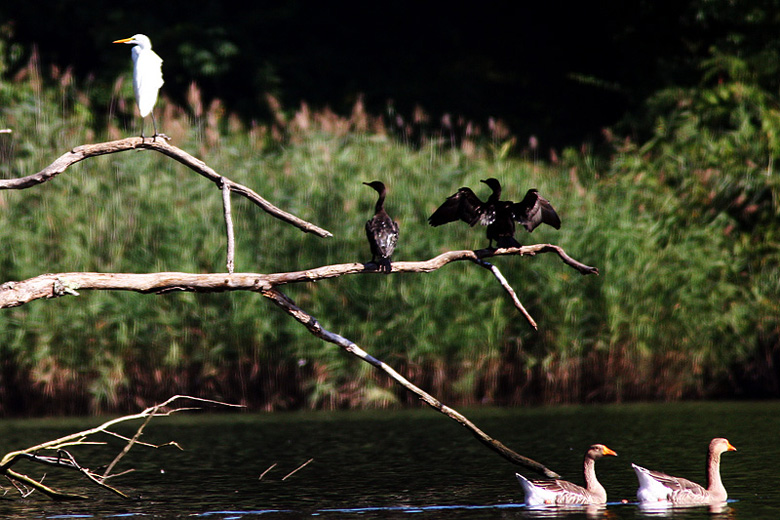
(381, 230)
(498, 215)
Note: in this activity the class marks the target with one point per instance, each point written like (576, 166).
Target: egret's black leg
(154, 123)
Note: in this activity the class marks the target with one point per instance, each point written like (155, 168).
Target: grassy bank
(683, 228)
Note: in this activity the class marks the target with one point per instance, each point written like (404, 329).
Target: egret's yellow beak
(124, 40)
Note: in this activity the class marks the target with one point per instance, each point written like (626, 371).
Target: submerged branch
(64, 459)
(86, 151)
(296, 470)
(311, 323)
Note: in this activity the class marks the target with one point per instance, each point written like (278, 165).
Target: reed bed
(683, 228)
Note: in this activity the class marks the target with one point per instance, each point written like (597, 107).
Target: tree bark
(311, 323)
(46, 286)
(86, 151)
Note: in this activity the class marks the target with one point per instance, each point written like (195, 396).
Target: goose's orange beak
(608, 451)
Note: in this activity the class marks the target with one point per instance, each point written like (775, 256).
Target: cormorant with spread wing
(498, 215)
(381, 230)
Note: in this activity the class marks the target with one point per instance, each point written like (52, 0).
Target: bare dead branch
(315, 328)
(86, 151)
(231, 240)
(121, 473)
(129, 445)
(92, 476)
(296, 470)
(40, 486)
(14, 294)
(65, 459)
(264, 473)
(508, 288)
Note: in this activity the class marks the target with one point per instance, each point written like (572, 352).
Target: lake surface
(393, 464)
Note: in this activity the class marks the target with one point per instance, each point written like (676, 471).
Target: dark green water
(391, 464)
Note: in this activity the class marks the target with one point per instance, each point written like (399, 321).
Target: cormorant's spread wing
(463, 205)
(534, 210)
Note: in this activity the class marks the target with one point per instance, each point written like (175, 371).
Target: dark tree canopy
(561, 75)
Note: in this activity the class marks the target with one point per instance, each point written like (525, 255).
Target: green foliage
(684, 229)
(704, 195)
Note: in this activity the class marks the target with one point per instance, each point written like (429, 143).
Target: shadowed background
(676, 203)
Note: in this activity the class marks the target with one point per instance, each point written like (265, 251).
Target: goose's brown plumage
(498, 215)
(659, 488)
(563, 492)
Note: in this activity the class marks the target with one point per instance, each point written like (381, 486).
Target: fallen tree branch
(86, 151)
(64, 459)
(14, 294)
(315, 328)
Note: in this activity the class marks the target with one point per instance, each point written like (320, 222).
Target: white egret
(147, 76)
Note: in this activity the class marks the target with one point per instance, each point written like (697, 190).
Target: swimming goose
(562, 492)
(656, 487)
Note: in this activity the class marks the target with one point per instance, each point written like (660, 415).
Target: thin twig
(125, 472)
(127, 447)
(493, 269)
(91, 476)
(231, 240)
(272, 466)
(296, 470)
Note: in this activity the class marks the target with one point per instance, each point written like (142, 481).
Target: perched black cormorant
(498, 215)
(381, 230)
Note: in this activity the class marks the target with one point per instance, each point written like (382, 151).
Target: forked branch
(159, 145)
(14, 294)
(64, 459)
